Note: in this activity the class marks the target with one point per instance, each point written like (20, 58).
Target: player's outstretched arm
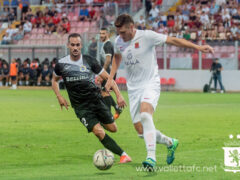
(117, 58)
(184, 43)
(62, 102)
(120, 100)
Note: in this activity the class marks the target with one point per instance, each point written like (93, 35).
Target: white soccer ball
(103, 159)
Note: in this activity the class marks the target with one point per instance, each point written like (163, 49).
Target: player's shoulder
(64, 59)
(87, 57)
(108, 44)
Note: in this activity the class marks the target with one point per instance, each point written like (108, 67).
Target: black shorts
(91, 113)
(13, 78)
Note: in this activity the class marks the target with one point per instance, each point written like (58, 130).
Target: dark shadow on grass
(104, 173)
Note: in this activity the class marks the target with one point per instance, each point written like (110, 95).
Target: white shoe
(222, 91)
(213, 92)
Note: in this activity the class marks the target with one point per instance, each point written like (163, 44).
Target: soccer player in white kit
(137, 50)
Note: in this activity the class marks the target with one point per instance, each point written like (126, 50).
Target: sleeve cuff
(100, 72)
(55, 74)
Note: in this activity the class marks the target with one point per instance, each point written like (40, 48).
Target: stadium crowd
(54, 16)
(196, 20)
(27, 72)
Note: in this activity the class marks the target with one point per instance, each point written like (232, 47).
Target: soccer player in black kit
(106, 55)
(78, 73)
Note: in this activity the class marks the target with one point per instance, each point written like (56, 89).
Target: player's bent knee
(111, 127)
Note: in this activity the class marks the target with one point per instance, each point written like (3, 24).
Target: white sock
(163, 139)
(27, 83)
(124, 154)
(149, 135)
(14, 86)
(0, 83)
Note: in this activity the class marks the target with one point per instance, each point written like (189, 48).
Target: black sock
(107, 101)
(110, 144)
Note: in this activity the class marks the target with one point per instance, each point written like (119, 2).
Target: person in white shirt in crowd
(27, 27)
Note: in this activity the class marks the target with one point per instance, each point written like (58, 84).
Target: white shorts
(149, 93)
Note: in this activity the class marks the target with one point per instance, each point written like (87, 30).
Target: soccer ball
(103, 159)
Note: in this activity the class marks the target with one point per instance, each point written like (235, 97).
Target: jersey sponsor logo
(76, 78)
(130, 59)
(67, 67)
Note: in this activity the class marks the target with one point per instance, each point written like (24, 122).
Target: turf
(39, 141)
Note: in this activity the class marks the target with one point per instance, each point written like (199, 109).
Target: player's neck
(75, 58)
(134, 33)
(106, 40)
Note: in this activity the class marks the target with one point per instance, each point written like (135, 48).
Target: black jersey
(107, 50)
(79, 77)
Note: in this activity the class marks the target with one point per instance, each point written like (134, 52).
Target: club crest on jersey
(83, 68)
(136, 45)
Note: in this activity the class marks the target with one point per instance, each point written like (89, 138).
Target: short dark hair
(74, 35)
(123, 19)
(104, 29)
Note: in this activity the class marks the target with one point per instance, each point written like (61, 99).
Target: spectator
(163, 19)
(44, 77)
(29, 15)
(141, 20)
(216, 69)
(34, 71)
(153, 12)
(92, 14)
(14, 5)
(170, 23)
(4, 74)
(20, 34)
(27, 27)
(204, 18)
(234, 32)
(13, 73)
(59, 6)
(83, 14)
(92, 49)
(214, 8)
(220, 2)
(162, 29)
(50, 27)
(11, 16)
(24, 74)
(56, 18)
(6, 39)
(25, 6)
(4, 15)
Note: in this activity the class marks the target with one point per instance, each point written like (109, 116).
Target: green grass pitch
(39, 141)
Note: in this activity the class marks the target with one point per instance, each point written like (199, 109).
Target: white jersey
(139, 57)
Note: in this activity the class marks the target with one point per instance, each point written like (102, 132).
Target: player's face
(103, 35)
(126, 32)
(75, 46)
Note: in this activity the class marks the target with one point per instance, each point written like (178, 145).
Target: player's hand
(121, 102)
(63, 102)
(99, 80)
(206, 49)
(109, 84)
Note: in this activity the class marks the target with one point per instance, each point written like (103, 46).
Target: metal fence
(8, 52)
